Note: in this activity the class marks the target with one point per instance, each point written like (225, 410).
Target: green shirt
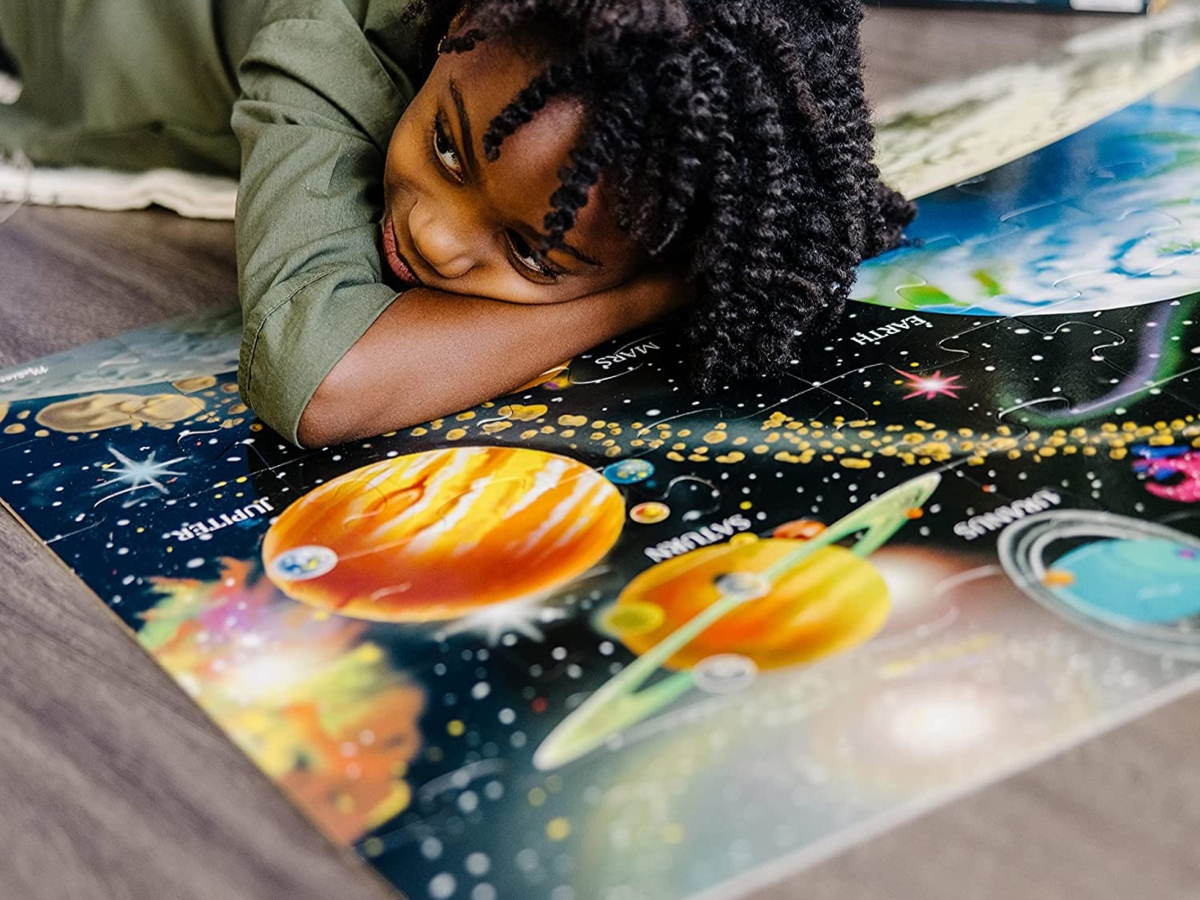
(137, 84)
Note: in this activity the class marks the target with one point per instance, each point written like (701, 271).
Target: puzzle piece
(1040, 217)
(1147, 348)
(1060, 372)
(1093, 221)
(192, 347)
(116, 398)
(873, 335)
(117, 452)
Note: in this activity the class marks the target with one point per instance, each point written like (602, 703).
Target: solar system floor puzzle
(606, 640)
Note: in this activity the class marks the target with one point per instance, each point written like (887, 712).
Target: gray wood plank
(113, 784)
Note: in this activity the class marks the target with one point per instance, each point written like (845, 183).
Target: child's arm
(317, 110)
(431, 353)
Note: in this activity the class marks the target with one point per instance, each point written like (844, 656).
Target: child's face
(455, 222)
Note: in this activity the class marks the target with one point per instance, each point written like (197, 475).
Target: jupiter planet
(437, 535)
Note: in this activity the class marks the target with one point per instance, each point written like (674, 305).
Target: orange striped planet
(438, 535)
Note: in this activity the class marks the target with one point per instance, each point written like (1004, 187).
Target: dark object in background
(6, 64)
(1136, 7)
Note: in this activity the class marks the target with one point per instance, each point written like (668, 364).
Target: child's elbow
(346, 407)
(326, 419)
(315, 428)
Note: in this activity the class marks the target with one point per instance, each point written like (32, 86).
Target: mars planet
(437, 535)
(650, 513)
(799, 529)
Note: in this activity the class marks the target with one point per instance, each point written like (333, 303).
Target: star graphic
(492, 623)
(931, 386)
(138, 475)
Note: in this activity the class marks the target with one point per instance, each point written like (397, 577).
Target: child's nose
(443, 244)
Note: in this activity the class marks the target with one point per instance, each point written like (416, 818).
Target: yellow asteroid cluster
(852, 444)
(849, 443)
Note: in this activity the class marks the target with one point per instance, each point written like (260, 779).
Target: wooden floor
(112, 784)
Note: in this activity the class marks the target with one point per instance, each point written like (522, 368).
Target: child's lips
(402, 270)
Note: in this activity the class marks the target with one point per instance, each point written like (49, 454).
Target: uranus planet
(437, 535)
(1142, 580)
(1133, 581)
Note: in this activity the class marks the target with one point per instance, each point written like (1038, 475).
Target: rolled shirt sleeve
(317, 109)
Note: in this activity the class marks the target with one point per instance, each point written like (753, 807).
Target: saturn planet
(716, 616)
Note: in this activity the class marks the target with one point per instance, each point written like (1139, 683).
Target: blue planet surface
(1103, 219)
(1151, 580)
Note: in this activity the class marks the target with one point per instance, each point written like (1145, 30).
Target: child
(567, 171)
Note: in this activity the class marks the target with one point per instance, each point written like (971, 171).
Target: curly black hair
(736, 139)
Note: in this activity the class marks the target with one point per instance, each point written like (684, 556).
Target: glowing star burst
(494, 622)
(138, 475)
(930, 386)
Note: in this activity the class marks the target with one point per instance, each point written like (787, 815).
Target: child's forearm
(432, 353)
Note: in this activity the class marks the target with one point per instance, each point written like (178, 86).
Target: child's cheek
(404, 154)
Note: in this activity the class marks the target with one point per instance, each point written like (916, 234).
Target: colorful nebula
(319, 709)
(438, 535)
(1172, 473)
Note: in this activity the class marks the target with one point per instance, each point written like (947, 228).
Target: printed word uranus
(985, 523)
(702, 537)
(626, 354)
(28, 372)
(875, 335)
(190, 530)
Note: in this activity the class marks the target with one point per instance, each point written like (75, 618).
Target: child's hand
(641, 300)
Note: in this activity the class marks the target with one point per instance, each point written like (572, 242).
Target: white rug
(189, 194)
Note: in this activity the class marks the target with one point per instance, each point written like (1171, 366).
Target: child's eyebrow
(582, 257)
(471, 162)
(464, 127)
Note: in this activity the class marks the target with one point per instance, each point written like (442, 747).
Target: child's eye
(444, 149)
(528, 258)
